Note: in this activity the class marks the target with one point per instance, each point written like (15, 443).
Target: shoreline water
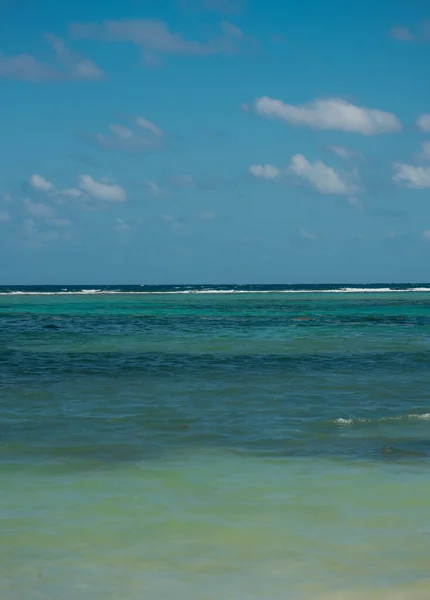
(276, 448)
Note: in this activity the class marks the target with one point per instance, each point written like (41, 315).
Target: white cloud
(320, 176)
(342, 152)
(25, 67)
(426, 235)
(307, 234)
(154, 38)
(423, 122)
(265, 171)
(41, 184)
(100, 190)
(142, 122)
(4, 216)
(123, 132)
(38, 210)
(72, 192)
(334, 113)
(411, 176)
(426, 150)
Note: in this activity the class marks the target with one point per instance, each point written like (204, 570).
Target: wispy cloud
(105, 191)
(39, 183)
(404, 34)
(71, 66)
(122, 226)
(37, 234)
(60, 222)
(88, 188)
(44, 186)
(266, 171)
(154, 189)
(320, 176)
(206, 216)
(412, 176)
(183, 180)
(330, 114)
(4, 216)
(355, 202)
(174, 223)
(76, 66)
(146, 124)
(36, 209)
(155, 39)
(423, 122)
(308, 234)
(426, 150)
(342, 152)
(25, 67)
(125, 139)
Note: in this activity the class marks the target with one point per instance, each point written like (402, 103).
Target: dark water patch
(113, 364)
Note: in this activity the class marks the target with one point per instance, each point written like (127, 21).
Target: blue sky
(214, 141)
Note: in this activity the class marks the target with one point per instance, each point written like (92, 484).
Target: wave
(341, 290)
(411, 417)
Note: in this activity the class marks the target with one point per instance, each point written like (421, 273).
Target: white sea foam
(343, 290)
(411, 417)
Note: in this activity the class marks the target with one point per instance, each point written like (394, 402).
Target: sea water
(215, 443)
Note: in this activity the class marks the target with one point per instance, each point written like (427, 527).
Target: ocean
(215, 442)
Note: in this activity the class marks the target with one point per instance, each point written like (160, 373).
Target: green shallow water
(215, 446)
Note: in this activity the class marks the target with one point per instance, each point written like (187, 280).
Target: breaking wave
(200, 290)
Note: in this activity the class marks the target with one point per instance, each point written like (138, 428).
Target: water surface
(225, 442)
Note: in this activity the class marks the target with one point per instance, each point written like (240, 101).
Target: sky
(214, 141)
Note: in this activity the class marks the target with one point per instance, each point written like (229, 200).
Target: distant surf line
(211, 291)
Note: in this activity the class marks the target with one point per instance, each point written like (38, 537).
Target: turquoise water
(215, 443)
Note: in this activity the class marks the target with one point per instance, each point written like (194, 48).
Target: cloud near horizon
(330, 114)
